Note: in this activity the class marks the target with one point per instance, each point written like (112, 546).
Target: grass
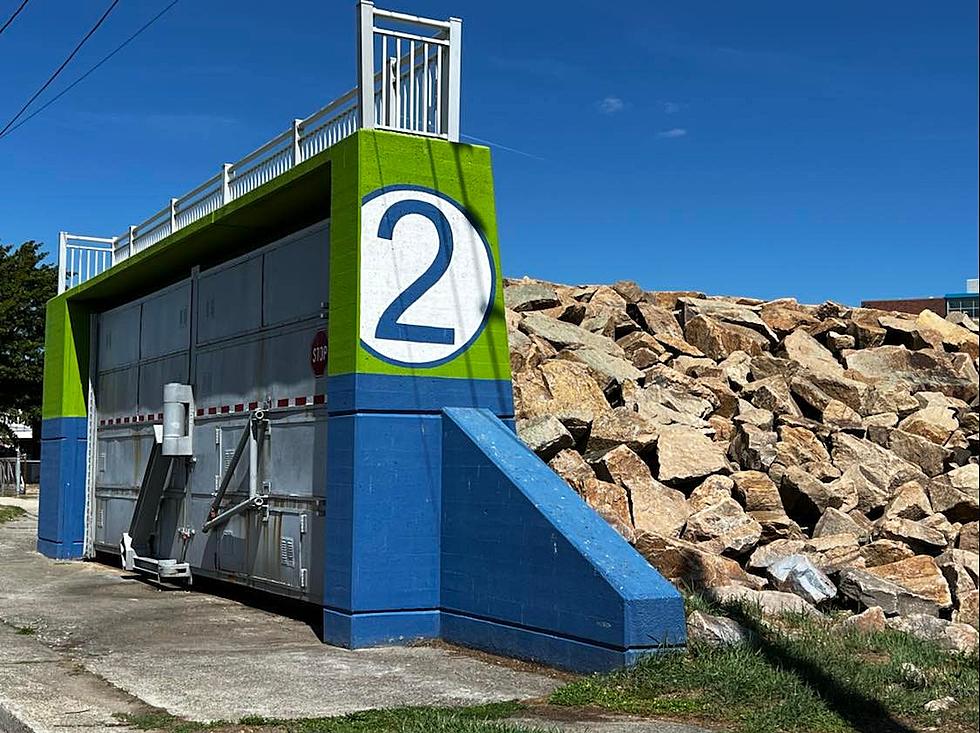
(476, 719)
(804, 676)
(8, 513)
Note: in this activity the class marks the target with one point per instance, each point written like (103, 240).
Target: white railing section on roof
(408, 81)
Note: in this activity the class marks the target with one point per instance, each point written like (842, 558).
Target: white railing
(411, 67)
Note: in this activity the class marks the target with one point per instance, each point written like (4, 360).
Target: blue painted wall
(529, 569)
(61, 511)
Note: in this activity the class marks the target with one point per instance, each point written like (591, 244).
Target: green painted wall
(334, 181)
(66, 339)
(462, 172)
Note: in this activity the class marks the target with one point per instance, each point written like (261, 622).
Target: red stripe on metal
(300, 401)
(200, 411)
(319, 399)
(253, 405)
(159, 416)
(225, 409)
(240, 407)
(212, 410)
(282, 403)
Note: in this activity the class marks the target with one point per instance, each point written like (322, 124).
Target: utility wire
(13, 17)
(82, 78)
(62, 67)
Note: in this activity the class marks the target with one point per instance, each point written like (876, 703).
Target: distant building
(967, 302)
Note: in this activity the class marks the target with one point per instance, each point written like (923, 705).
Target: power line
(82, 78)
(62, 67)
(13, 17)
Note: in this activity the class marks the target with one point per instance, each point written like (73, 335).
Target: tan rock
(918, 536)
(657, 509)
(786, 315)
(757, 492)
(920, 575)
(835, 522)
(878, 465)
(956, 337)
(683, 562)
(969, 610)
(955, 637)
(676, 345)
(752, 448)
(607, 370)
(724, 527)
(959, 567)
(719, 340)
(572, 467)
(869, 621)
(910, 502)
(622, 426)
(773, 394)
(776, 525)
(562, 335)
(570, 393)
(710, 491)
(883, 552)
(968, 539)
(933, 423)
(769, 602)
(917, 450)
(655, 320)
(736, 368)
(797, 446)
(765, 555)
(926, 369)
(965, 479)
(685, 455)
(956, 505)
(611, 503)
(805, 350)
(806, 498)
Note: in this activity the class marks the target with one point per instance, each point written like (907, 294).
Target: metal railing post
(62, 262)
(297, 152)
(451, 103)
(173, 215)
(225, 183)
(365, 63)
(132, 241)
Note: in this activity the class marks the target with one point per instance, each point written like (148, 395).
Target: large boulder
(545, 435)
(563, 335)
(724, 528)
(719, 339)
(924, 370)
(685, 455)
(657, 509)
(685, 563)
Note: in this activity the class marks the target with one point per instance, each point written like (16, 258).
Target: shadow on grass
(862, 713)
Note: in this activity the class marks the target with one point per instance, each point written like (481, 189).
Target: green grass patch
(807, 676)
(475, 719)
(8, 513)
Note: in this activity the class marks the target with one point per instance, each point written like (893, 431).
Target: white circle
(459, 300)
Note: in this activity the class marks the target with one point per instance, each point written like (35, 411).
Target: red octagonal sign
(318, 353)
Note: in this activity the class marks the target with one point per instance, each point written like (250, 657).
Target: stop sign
(318, 353)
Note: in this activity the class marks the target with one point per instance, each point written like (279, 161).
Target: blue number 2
(388, 325)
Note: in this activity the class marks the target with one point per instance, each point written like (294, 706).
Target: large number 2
(388, 325)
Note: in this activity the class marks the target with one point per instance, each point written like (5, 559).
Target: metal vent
(287, 552)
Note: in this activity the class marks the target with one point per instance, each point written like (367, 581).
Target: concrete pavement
(81, 641)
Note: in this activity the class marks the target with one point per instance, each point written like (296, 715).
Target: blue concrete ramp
(529, 570)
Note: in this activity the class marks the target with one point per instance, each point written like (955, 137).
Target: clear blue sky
(816, 150)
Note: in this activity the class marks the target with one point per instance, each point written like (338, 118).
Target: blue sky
(815, 150)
